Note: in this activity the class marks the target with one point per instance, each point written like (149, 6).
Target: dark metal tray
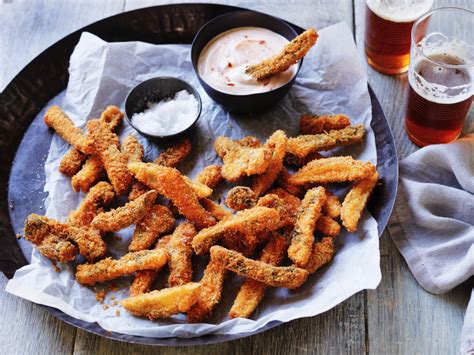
(24, 140)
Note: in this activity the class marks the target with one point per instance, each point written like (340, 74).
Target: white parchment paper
(331, 80)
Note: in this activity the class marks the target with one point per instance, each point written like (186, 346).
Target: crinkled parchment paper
(331, 80)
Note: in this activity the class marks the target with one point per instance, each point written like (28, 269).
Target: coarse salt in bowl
(162, 107)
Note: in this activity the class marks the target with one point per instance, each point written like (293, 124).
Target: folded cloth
(432, 223)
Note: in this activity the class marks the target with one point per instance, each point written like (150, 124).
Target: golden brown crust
(252, 292)
(138, 188)
(210, 176)
(157, 220)
(56, 119)
(122, 217)
(240, 198)
(303, 145)
(291, 54)
(57, 249)
(180, 250)
(327, 226)
(109, 269)
(115, 163)
(163, 303)
(144, 279)
(287, 211)
(132, 148)
(99, 196)
(356, 200)
(72, 162)
(277, 143)
(321, 254)
(288, 277)
(332, 206)
(284, 183)
(335, 169)
(170, 182)
(313, 124)
(241, 160)
(112, 116)
(303, 234)
(91, 172)
(216, 210)
(248, 222)
(41, 230)
(174, 155)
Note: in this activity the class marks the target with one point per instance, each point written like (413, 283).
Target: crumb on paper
(105, 307)
(117, 313)
(100, 296)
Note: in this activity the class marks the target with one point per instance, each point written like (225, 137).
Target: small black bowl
(242, 103)
(154, 90)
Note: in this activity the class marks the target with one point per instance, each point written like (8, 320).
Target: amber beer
(432, 118)
(387, 34)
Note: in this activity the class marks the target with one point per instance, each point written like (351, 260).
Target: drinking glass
(440, 76)
(387, 34)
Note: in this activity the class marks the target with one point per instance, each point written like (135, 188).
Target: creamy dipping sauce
(223, 60)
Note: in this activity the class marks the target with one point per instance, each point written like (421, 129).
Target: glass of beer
(441, 76)
(387, 32)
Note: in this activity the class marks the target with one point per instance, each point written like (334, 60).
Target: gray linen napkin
(433, 221)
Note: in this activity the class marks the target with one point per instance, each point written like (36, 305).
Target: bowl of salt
(162, 107)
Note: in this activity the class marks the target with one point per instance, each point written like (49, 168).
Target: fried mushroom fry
(335, 169)
(313, 124)
(157, 221)
(321, 254)
(356, 200)
(332, 206)
(240, 198)
(56, 119)
(163, 303)
(122, 217)
(74, 159)
(252, 292)
(91, 172)
(72, 162)
(174, 155)
(132, 148)
(327, 226)
(302, 236)
(109, 269)
(277, 144)
(291, 54)
(210, 292)
(239, 160)
(248, 222)
(303, 145)
(144, 279)
(99, 196)
(180, 251)
(287, 277)
(216, 210)
(41, 231)
(170, 182)
(210, 176)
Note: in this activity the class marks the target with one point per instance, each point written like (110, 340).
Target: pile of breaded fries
(280, 219)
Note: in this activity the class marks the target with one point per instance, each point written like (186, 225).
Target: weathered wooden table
(399, 317)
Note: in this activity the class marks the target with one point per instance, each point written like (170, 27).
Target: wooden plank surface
(402, 317)
(397, 318)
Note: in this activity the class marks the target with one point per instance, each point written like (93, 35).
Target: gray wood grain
(397, 318)
(402, 317)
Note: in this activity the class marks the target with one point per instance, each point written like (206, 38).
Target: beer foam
(399, 10)
(437, 45)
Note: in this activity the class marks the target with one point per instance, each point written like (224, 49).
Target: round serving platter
(24, 140)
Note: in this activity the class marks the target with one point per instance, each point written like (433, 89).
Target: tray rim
(208, 339)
